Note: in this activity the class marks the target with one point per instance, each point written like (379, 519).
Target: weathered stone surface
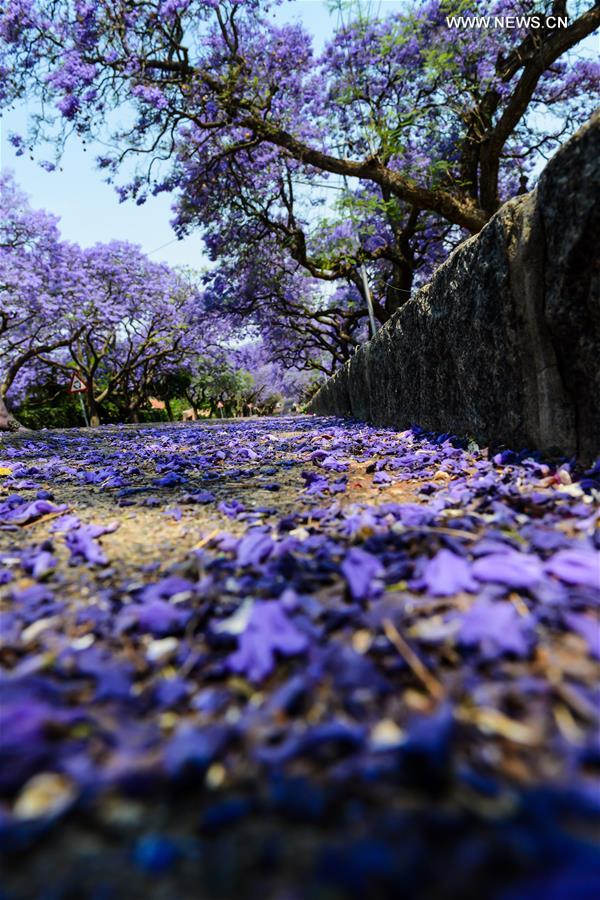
(503, 343)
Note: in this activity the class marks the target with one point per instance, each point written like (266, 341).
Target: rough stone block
(503, 344)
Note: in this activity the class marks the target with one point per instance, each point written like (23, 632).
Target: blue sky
(89, 209)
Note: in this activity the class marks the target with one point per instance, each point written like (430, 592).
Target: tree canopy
(311, 176)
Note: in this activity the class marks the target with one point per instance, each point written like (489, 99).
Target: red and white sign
(77, 385)
(219, 405)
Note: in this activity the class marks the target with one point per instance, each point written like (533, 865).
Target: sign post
(220, 408)
(77, 386)
(84, 411)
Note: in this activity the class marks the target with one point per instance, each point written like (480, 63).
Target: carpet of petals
(296, 657)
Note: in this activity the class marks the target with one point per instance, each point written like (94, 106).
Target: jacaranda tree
(139, 317)
(430, 115)
(412, 96)
(305, 324)
(39, 289)
(107, 313)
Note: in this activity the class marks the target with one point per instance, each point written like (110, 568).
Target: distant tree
(139, 320)
(107, 312)
(39, 289)
(304, 322)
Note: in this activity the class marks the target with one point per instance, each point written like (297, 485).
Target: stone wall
(503, 344)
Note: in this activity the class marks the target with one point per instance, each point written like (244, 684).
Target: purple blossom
(200, 497)
(148, 647)
(588, 627)
(334, 465)
(168, 588)
(195, 748)
(315, 483)
(151, 95)
(448, 574)
(576, 567)
(231, 508)
(170, 479)
(65, 523)
(158, 617)
(513, 569)
(40, 563)
(411, 515)
(496, 628)
(82, 543)
(382, 477)
(113, 678)
(83, 547)
(254, 548)
(17, 511)
(361, 569)
(269, 631)
(314, 741)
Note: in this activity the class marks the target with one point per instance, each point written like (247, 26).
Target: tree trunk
(7, 420)
(169, 410)
(93, 408)
(398, 289)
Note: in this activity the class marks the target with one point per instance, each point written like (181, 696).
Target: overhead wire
(162, 246)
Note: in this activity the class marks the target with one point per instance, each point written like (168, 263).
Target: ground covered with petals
(296, 658)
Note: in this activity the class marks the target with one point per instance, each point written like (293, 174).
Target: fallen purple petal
(448, 574)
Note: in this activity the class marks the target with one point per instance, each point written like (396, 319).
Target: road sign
(77, 385)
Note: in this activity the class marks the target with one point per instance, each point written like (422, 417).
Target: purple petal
(448, 574)
(496, 627)
(587, 627)
(576, 567)
(513, 569)
(360, 570)
(254, 548)
(269, 631)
